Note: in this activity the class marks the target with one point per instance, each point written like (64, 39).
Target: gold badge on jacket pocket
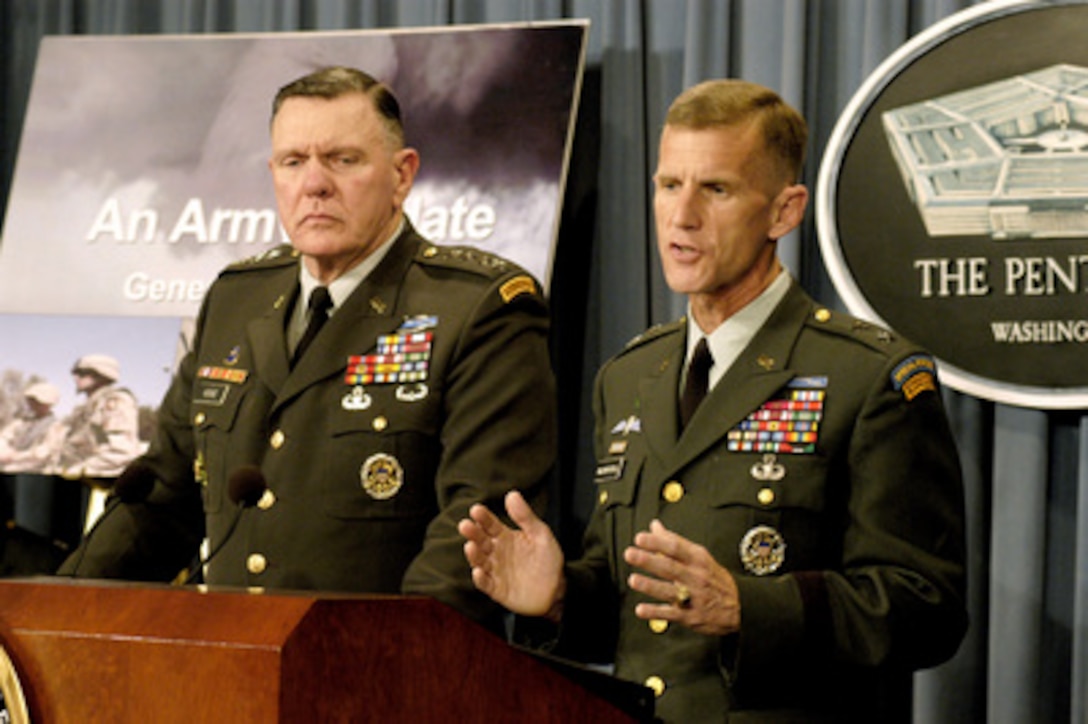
(382, 476)
(762, 550)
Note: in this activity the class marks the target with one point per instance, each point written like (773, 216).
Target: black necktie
(320, 303)
(695, 385)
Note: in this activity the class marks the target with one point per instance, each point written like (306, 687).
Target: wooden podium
(91, 651)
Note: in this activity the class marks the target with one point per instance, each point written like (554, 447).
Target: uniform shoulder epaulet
(915, 370)
(655, 332)
(476, 261)
(279, 256)
(465, 258)
(864, 332)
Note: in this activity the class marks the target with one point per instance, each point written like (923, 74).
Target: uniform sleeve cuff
(773, 625)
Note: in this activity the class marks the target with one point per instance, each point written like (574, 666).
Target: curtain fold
(1016, 570)
(1079, 663)
(1025, 657)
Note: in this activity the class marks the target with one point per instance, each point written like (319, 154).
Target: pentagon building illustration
(1008, 159)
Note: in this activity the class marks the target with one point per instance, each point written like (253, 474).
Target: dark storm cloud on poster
(1005, 313)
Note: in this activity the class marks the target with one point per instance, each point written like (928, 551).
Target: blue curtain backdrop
(1026, 655)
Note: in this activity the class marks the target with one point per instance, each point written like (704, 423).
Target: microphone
(245, 486)
(133, 485)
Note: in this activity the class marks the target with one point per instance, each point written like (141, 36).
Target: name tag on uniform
(211, 393)
(608, 470)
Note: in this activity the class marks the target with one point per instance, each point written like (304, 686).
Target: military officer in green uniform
(427, 386)
(791, 547)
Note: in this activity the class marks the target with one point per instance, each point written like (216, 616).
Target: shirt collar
(342, 287)
(733, 335)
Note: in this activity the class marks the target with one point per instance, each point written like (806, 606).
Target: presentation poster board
(142, 172)
(952, 202)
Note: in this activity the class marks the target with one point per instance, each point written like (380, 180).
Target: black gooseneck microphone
(245, 486)
(133, 485)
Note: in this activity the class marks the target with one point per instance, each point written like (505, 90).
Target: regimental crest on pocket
(382, 476)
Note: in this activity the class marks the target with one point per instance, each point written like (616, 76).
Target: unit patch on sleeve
(521, 284)
(915, 375)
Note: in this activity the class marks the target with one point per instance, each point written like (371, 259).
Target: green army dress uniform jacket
(368, 467)
(821, 472)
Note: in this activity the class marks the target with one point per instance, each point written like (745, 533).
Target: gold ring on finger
(683, 596)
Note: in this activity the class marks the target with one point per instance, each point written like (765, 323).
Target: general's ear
(788, 210)
(406, 166)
